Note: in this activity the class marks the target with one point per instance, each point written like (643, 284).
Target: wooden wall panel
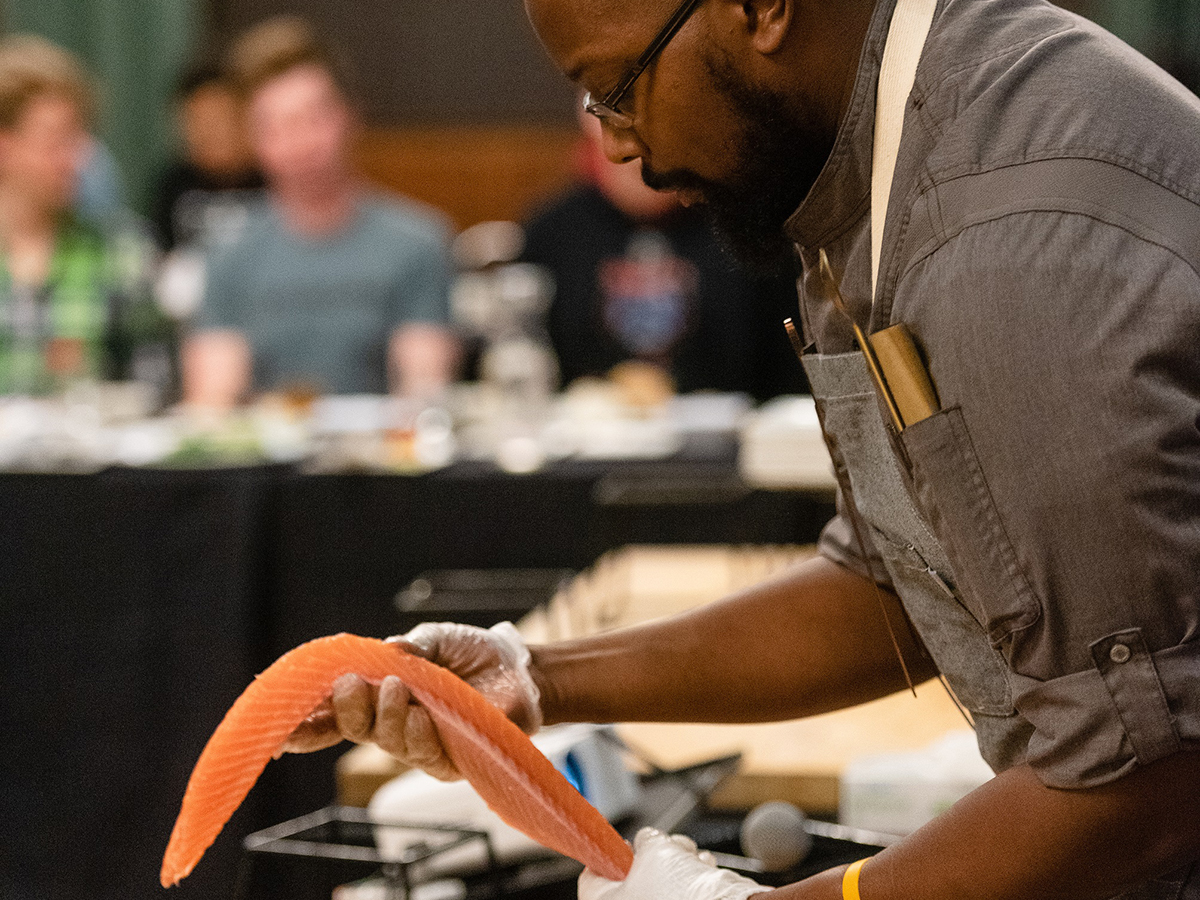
(474, 174)
(427, 62)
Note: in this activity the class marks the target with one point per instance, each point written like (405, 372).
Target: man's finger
(425, 747)
(596, 887)
(354, 706)
(316, 732)
(391, 715)
(309, 742)
(444, 770)
(421, 641)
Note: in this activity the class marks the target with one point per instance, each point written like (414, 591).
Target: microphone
(774, 834)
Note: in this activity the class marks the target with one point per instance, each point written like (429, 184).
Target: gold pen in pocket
(893, 361)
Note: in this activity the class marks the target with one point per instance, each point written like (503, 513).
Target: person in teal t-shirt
(329, 287)
(321, 311)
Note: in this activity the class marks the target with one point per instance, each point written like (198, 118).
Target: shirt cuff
(1132, 708)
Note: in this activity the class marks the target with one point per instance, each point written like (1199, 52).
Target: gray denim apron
(920, 570)
(918, 566)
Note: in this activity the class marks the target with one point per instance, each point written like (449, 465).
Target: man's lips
(677, 181)
(686, 189)
(689, 196)
(686, 194)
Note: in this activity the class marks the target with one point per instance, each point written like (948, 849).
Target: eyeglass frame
(606, 109)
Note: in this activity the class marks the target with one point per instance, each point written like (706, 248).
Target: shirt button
(1119, 653)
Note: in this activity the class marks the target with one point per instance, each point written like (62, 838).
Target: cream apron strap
(910, 24)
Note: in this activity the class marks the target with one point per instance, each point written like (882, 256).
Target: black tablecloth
(131, 614)
(136, 605)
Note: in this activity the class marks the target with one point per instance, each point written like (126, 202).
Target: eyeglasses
(606, 109)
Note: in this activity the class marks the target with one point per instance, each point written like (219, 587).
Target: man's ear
(767, 23)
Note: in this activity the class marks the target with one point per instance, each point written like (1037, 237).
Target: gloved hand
(669, 867)
(494, 661)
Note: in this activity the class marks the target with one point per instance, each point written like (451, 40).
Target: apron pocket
(974, 669)
(950, 489)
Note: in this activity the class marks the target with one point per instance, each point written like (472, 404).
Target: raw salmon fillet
(501, 763)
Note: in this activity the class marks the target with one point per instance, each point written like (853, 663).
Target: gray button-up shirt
(1043, 247)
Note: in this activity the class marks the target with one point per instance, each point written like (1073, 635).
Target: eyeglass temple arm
(673, 25)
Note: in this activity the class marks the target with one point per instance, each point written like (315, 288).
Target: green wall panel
(136, 49)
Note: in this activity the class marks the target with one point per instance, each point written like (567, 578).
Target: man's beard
(778, 158)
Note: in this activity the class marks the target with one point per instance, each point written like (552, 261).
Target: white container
(590, 760)
(897, 793)
(782, 446)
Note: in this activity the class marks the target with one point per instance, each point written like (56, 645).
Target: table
(800, 761)
(129, 604)
(135, 605)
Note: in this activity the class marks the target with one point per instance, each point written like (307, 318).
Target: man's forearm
(217, 367)
(422, 359)
(1015, 839)
(812, 641)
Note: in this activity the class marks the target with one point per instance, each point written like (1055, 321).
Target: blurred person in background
(640, 277)
(74, 296)
(204, 193)
(330, 288)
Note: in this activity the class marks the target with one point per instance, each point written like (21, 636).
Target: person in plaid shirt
(75, 300)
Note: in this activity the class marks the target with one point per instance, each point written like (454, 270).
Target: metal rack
(344, 838)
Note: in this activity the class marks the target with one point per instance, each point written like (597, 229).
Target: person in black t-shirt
(203, 195)
(640, 277)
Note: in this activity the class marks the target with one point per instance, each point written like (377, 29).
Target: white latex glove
(669, 867)
(494, 661)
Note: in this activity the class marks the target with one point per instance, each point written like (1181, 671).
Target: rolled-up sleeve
(840, 542)
(1063, 474)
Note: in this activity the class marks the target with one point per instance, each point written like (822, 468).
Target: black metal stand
(336, 845)
(342, 840)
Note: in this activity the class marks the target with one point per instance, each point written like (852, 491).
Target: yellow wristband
(850, 881)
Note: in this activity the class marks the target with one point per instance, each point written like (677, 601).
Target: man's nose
(620, 145)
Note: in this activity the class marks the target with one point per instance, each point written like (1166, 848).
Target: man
(1040, 530)
(637, 276)
(215, 177)
(74, 296)
(329, 288)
